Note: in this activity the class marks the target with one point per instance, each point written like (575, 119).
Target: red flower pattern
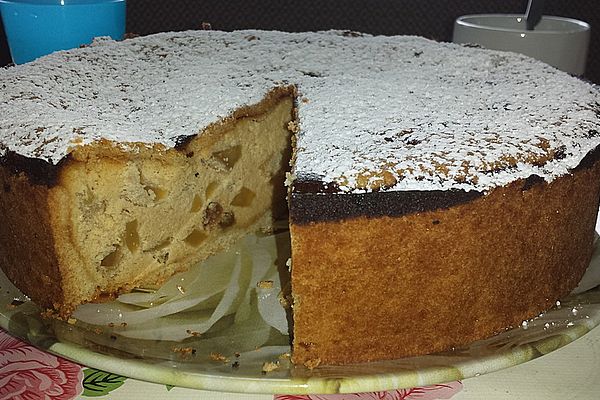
(434, 392)
(27, 373)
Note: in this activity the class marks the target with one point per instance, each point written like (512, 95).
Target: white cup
(560, 42)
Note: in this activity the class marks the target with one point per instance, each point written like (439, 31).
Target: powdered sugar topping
(376, 113)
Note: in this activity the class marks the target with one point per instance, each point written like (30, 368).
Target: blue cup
(38, 27)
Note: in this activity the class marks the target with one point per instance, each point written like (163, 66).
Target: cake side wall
(27, 245)
(384, 288)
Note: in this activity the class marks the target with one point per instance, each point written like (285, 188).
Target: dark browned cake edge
(315, 201)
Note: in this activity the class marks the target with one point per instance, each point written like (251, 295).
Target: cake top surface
(375, 113)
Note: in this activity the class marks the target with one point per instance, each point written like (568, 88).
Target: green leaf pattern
(98, 383)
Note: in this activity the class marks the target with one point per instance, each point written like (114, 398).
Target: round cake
(437, 194)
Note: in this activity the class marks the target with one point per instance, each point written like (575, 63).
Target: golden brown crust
(383, 288)
(27, 246)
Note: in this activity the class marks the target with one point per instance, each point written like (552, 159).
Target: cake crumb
(289, 179)
(313, 363)
(214, 356)
(285, 300)
(270, 366)
(72, 321)
(193, 333)
(184, 352)
(285, 356)
(293, 127)
(265, 284)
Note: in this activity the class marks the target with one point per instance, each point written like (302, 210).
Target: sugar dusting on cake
(376, 113)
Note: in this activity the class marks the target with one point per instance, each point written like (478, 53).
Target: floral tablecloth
(571, 372)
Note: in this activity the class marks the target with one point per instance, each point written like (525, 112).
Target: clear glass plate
(225, 366)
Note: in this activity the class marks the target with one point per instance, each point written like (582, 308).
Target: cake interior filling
(126, 216)
(231, 186)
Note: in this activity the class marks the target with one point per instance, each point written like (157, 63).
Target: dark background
(430, 18)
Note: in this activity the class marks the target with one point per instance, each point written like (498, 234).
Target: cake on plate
(437, 194)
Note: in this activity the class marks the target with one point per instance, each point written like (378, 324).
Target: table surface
(571, 372)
